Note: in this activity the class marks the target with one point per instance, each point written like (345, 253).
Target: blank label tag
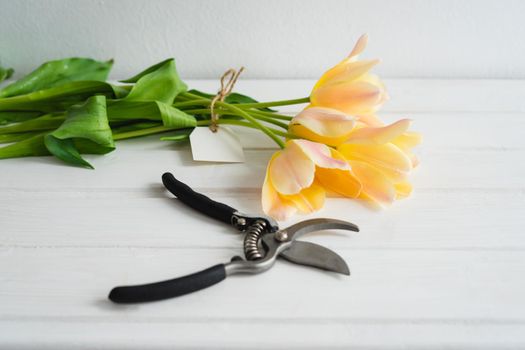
(220, 146)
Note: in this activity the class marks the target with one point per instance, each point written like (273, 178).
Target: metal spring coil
(251, 240)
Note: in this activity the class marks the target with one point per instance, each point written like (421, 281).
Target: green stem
(272, 114)
(275, 103)
(254, 121)
(243, 114)
(256, 116)
(45, 122)
(245, 124)
(9, 138)
(198, 101)
(160, 129)
(141, 132)
(257, 104)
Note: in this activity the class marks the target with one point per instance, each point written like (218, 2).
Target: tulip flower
(298, 177)
(349, 87)
(381, 158)
(324, 125)
(369, 162)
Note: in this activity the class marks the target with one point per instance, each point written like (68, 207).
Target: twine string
(226, 88)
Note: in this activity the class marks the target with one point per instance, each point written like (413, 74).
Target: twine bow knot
(226, 88)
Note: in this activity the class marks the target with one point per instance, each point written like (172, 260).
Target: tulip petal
(342, 182)
(325, 121)
(291, 170)
(319, 154)
(272, 203)
(324, 125)
(387, 158)
(346, 71)
(359, 47)
(407, 140)
(370, 120)
(413, 158)
(354, 98)
(376, 186)
(403, 189)
(378, 135)
(309, 199)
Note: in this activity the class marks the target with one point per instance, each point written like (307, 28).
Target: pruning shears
(264, 242)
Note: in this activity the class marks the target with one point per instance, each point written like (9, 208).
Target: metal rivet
(281, 236)
(241, 221)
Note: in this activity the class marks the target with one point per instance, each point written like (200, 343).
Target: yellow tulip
(349, 87)
(381, 158)
(298, 177)
(324, 125)
(372, 163)
(367, 159)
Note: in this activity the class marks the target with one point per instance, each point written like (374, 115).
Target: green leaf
(5, 73)
(55, 73)
(121, 110)
(146, 71)
(61, 97)
(160, 82)
(66, 151)
(178, 135)
(151, 98)
(86, 128)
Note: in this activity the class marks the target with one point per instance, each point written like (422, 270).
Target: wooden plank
(62, 305)
(450, 157)
(430, 220)
(388, 286)
(313, 334)
(139, 165)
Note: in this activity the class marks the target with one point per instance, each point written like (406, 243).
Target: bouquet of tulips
(336, 145)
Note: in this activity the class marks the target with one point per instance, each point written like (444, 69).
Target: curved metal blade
(311, 254)
(312, 225)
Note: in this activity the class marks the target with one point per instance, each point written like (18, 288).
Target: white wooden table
(442, 269)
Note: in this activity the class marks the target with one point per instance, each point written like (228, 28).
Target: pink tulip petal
(291, 170)
(378, 135)
(325, 121)
(319, 154)
(359, 47)
(370, 120)
(354, 98)
(272, 203)
(413, 158)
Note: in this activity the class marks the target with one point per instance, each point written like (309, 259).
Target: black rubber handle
(196, 200)
(168, 289)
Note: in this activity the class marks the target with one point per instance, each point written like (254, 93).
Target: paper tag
(221, 146)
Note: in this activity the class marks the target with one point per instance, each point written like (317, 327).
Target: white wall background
(272, 38)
